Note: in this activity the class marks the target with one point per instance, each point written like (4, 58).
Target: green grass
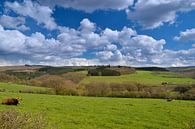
(16, 88)
(106, 113)
(142, 77)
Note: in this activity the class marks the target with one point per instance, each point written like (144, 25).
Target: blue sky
(82, 32)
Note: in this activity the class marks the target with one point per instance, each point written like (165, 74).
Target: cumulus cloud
(175, 58)
(89, 5)
(124, 47)
(42, 14)
(87, 26)
(188, 35)
(154, 13)
(13, 22)
(11, 41)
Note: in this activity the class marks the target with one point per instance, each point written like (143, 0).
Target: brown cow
(11, 101)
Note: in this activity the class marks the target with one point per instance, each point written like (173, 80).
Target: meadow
(131, 110)
(143, 77)
(15, 88)
(68, 112)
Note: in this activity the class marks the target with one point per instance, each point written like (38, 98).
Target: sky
(97, 32)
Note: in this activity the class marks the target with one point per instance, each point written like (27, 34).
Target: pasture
(143, 77)
(66, 112)
(15, 88)
(76, 112)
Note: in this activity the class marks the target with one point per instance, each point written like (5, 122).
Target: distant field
(8, 87)
(143, 77)
(106, 113)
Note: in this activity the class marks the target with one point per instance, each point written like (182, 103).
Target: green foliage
(24, 75)
(152, 69)
(103, 72)
(56, 70)
(182, 89)
(123, 70)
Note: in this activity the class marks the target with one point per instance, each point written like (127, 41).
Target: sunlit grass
(142, 77)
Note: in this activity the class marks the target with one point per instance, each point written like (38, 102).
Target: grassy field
(142, 77)
(68, 112)
(8, 87)
(106, 113)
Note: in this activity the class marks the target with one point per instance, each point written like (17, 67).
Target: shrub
(13, 119)
(182, 89)
(67, 88)
(59, 84)
(103, 72)
(130, 87)
(76, 77)
(32, 91)
(55, 70)
(117, 87)
(8, 78)
(97, 89)
(123, 70)
(2, 90)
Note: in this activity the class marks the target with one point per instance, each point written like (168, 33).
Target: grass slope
(143, 77)
(8, 87)
(107, 113)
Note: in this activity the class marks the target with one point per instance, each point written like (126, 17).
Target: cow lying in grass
(11, 101)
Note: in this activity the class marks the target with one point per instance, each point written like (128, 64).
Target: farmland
(70, 98)
(103, 113)
(144, 77)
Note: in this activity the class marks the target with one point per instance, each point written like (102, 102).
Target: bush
(124, 70)
(2, 90)
(13, 119)
(59, 84)
(182, 89)
(98, 89)
(55, 70)
(103, 72)
(75, 77)
(8, 78)
(67, 88)
(32, 91)
(131, 87)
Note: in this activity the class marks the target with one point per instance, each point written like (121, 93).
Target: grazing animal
(164, 83)
(169, 100)
(11, 101)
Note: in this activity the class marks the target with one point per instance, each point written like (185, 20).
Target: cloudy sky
(94, 32)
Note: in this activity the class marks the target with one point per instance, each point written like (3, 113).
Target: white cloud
(124, 47)
(89, 5)
(146, 43)
(11, 40)
(188, 35)
(13, 22)
(175, 58)
(42, 14)
(87, 26)
(154, 13)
